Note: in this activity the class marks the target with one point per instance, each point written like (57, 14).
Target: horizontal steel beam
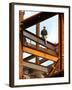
(29, 57)
(39, 40)
(45, 50)
(35, 66)
(33, 56)
(40, 53)
(36, 18)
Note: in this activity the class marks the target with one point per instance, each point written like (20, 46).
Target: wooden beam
(54, 67)
(39, 40)
(35, 66)
(39, 53)
(45, 50)
(36, 18)
(42, 61)
(33, 56)
(29, 58)
(62, 41)
(37, 34)
(61, 28)
(21, 14)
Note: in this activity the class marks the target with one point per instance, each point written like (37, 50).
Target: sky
(51, 25)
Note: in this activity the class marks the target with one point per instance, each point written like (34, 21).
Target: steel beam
(29, 57)
(35, 66)
(45, 50)
(39, 40)
(36, 18)
(40, 53)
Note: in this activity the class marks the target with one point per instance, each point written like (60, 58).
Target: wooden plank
(37, 39)
(36, 18)
(45, 50)
(39, 53)
(35, 66)
(33, 56)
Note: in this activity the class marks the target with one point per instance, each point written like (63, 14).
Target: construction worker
(44, 34)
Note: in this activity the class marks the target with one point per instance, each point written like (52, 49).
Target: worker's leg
(45, 40)
(43, 37)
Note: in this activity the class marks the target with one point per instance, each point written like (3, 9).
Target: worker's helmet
(44, 27)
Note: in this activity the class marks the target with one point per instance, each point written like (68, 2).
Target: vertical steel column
(62, 42)
(21, 16)
(37, 45)
(61, 29)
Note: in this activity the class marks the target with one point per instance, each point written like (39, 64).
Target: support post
(59, 65)
(61, 35)
(37, 45)
(62, 43)
(21, 16)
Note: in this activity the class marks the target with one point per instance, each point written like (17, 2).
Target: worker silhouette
(44, 34)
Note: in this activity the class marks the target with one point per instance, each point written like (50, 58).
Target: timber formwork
(50, 51)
